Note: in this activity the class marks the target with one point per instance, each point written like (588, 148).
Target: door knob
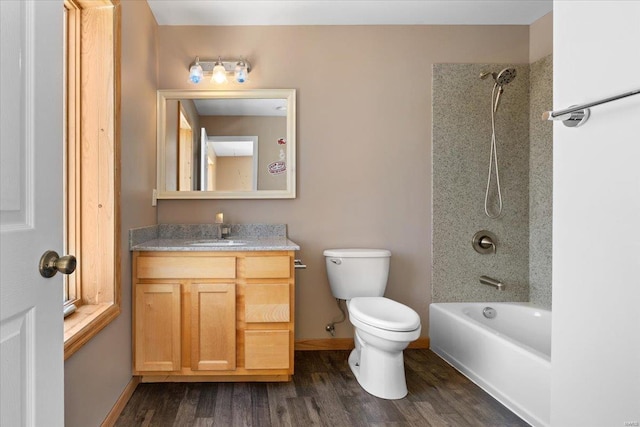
(51, 263)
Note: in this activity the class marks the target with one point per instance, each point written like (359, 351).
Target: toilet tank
(357, 272)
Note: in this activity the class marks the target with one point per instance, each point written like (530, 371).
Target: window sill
(85, 323)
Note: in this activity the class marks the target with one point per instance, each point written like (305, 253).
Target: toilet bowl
(383, 327)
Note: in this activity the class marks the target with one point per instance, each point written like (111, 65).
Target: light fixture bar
(228, 64)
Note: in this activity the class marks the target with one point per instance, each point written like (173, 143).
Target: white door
(31, 212)
(204, 161)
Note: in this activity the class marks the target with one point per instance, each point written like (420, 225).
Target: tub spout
(485, 280)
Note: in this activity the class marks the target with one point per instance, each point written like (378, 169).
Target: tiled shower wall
(461, 144)
(540, 182)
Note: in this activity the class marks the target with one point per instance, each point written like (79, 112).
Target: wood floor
(323, 392)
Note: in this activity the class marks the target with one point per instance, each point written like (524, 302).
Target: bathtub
(509, 356)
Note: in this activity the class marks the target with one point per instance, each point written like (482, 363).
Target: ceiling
(349, 12)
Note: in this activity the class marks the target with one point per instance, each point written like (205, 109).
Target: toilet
(383, 327)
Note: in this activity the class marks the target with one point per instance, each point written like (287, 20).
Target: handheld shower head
(505, 76)
(502, 78)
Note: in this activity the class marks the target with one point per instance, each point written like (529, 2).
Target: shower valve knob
(484, 242)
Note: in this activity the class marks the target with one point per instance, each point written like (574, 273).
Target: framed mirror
(238, 144)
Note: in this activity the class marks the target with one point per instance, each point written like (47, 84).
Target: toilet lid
(357, 253)
(383, 313)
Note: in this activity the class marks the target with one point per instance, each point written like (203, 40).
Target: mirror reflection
(226, 144)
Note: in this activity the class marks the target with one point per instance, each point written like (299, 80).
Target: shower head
(505, 76)
(502, 78)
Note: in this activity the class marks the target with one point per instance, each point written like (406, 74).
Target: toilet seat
(383, 313)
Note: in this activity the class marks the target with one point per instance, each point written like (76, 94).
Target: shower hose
(493, 160)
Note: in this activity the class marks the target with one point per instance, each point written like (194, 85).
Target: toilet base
(379, 372)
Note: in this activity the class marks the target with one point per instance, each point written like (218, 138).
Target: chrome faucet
(223, 229)
(486, 280)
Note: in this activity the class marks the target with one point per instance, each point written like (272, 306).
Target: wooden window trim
(93, 205)
(72, 134)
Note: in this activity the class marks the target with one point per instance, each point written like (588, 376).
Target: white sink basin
(217, 243)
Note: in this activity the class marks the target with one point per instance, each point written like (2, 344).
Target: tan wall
(96, 375)
(541, 38)
(234, 173)
(364, 140)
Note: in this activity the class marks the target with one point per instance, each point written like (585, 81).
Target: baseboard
(345, 344)
(422, 342)
(126, 394)
(325, 344)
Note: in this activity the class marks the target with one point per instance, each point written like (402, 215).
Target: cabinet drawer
(267, 303)
(265, 349)
(176, 267)
(267, 267)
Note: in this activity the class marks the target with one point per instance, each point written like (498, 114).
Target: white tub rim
(477, 326)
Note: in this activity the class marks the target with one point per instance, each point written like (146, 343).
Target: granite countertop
(267, 244)
(204, 237)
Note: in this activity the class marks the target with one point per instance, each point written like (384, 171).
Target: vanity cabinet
(217, 316)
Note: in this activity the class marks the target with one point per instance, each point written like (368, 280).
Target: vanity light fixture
(241, 72)
(195, 72)
(219, 73)
(219, 70)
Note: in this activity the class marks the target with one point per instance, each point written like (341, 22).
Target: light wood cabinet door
(266, 349)
(213, 326)
(157, 327)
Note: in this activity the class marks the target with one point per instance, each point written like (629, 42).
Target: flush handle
(336, 261)
(51, 263)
